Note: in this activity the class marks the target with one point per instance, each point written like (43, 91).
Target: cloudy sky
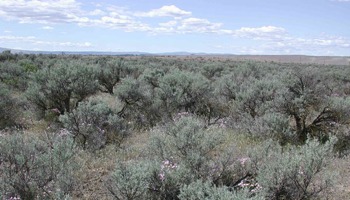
(312, 27)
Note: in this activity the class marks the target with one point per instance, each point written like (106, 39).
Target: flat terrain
(302, 59)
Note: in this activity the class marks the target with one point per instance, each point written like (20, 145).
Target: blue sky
(311, 27)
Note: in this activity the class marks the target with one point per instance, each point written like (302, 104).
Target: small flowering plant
(166, 167)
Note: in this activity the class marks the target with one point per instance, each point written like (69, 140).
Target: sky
(308, 27)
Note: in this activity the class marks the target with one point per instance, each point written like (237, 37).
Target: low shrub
(92, 123)
(205, 190)
(295, 172)
(31, 168)
(130, 181)
(9, 108)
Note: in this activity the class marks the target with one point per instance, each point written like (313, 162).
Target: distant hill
(328, 60)
(304, 59)
(74, 52)
(136, 53)
(3, 49)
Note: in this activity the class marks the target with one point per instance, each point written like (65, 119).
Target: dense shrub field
(133, 127)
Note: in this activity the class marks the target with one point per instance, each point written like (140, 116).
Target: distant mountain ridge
(100, 52)
(74, 52)
(304, 59)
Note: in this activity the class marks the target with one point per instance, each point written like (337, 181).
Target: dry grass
(94, 171)
(97, 167)
(300, 59)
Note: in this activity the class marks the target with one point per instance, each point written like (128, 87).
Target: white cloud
(260, 33)
(118, 22)
(320, 42)
(251, 50)
(48, 12)
(69, 11)
(187, 25)
(39, 11)
(168, 24)
(71, 44)
(37, 42)
(165, 11)
(312, 46)
(287, 44)
(261, 30)
(197, 25)
(114, 20)
(97, 12)
(47, 28)
(6, 38)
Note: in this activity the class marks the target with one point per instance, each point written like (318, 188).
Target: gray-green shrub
(187, 152)
(293, 172)
(31, 168)
(110, 73)
(199, 190)
(182, 91)
(92, 123)
(140, 106)
(130, 181)
(62, 86)
(9, 108)
(182, 152)
(187, 143)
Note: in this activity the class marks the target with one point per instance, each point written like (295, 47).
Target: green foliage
(8, 108)
(35, 169)
(62, 86)
(212, 70)
(227, 87)
(187, 104)
(167, 179)
(199, 190)
(188, 143)
(255, 96)
(152, 76)
(293, 172)
(182, 153)
(13, 75)
(147, 179)
(182, 91)
(7, 56)
(111, 73)
(311, 106)
(158, 96)
(130, 181)
(139, 106)
(28, 66)
(187, 151)
(92, 123)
